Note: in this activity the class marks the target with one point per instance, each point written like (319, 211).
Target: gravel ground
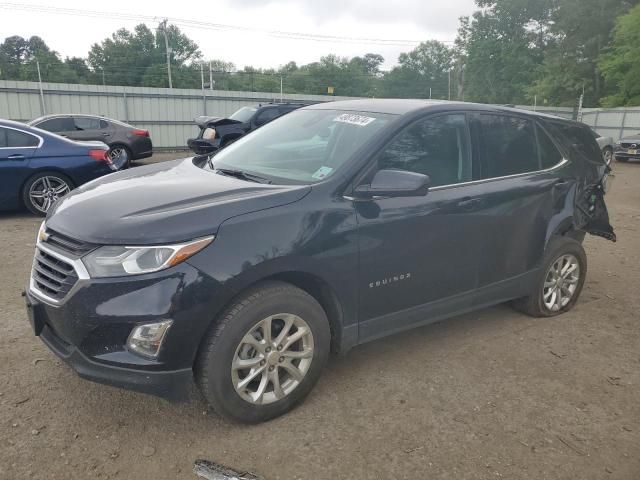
(493, 394)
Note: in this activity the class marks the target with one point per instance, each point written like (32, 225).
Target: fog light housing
(146, 339)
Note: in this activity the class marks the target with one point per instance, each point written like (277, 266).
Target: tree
(578, 33)
(502, 46)
(621, 64)
(422, 73)
(18, 57)
(137, 58)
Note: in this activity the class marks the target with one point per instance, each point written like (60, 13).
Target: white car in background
(607, 145)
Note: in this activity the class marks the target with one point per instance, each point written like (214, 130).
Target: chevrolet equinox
(329, 227)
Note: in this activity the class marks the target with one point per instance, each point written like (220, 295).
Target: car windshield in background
(305, 146)
(244, 114)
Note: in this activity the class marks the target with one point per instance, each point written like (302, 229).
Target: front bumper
(175, 386)
(89, 329)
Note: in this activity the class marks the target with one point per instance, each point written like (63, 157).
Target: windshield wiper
(242, 175)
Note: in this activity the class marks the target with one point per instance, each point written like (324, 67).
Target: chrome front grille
(52, 276)
(68, 244)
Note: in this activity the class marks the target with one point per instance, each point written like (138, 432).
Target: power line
(212, 26)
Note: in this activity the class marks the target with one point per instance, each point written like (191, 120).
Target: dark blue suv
(329, 227)
(37, 167)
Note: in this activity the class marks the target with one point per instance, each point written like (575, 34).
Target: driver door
(419, 255)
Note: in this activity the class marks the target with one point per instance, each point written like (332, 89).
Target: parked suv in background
(628, 149)
(126, 142)
(216, 132)
(332, 226)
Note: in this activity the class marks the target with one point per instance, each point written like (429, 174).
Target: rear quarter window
(15, 139)
(578, 141)
(550, 156)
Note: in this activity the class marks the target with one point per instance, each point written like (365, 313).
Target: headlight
(42, 236)
(117, 261)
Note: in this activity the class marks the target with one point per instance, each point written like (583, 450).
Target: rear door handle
(469, 203)
(16, 156)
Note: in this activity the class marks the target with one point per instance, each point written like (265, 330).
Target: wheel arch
(312, 284)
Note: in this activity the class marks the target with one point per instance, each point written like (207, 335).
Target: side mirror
(201, 146)
(395, 183)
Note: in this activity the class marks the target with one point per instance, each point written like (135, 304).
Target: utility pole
(204, 96)
(44, 110)
(450, 84)
(281, 93)
(429, 93)
(163, 28)
(210, 76)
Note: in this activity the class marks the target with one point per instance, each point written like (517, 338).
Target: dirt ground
(493, 394)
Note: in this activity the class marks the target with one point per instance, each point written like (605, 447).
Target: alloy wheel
(561, 282)
(272, 359)
(46, 190)
(118, 156)
(608, 156)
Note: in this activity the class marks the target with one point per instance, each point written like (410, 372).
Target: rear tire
(42, 189)
(250, 374)
(607, 153)
(559, 282)
(118, 151)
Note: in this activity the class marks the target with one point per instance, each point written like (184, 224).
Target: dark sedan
(126, 142)
(218, 132)
(37, 167)
(628, 148)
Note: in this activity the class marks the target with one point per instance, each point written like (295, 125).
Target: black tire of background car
(622, 159)
(607, 152)
(26, 200)
(213, 364)
(127, 150)
(533, 305)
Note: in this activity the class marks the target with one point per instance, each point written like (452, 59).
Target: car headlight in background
(118, 261)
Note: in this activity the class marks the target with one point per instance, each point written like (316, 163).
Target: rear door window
(506, 145)
(86, 123)
(58, 124)
(436, 146)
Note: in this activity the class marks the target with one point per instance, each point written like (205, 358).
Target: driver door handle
(16, 156)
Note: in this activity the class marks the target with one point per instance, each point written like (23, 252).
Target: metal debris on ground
(214, 471)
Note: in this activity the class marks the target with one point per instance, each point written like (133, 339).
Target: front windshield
(305, 146)
(244, 114)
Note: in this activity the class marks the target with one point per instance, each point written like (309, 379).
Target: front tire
(265, 353)
(560, 281)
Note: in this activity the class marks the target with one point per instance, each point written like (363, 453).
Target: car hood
(631, 140)
(162, 203)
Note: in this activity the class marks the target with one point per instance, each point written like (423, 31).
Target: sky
(71, 34)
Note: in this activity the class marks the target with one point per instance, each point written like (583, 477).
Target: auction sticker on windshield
(352, 119)
(322, 172)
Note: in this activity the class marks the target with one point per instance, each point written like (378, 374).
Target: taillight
(102, 156)
(139, 132)
(99, 155)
